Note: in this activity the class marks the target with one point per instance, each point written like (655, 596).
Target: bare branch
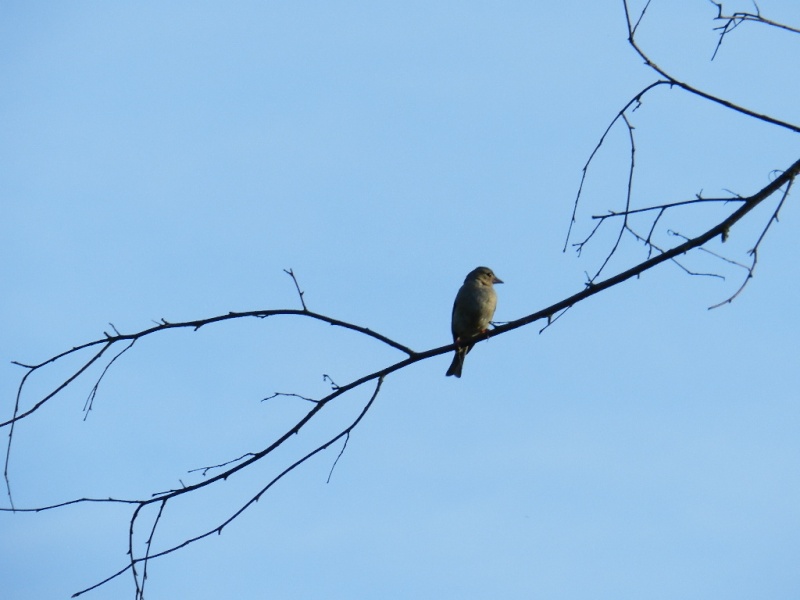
(70, 503)
(379, 376)
(732, 21)
(651, 246)
(300, 293)
(329, 379)
(622, 116)
(628, 194)
(662, 207)
(754, 252)
(229, 469)
(707, 251)
(345, 433)
(289, 395)
(164, 325)
(139, 557)
(205, 470)
(641, 16)
(673, 81)
(148, 545)
(546, 313)
(87, 407)
(721, 229)
(109, 340)
(338, 456)
(633, 102)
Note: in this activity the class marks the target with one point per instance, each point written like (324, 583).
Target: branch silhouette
(623, 117)
(733, 20)
(722, 229)
(106, 351)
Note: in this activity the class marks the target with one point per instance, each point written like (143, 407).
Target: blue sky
(169, 160)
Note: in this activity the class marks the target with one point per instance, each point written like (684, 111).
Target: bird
(473, 310)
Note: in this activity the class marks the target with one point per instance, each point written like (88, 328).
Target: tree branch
(673, 81)
(737, 18)
(137, 563)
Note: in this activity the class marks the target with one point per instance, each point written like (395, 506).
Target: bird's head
(483, 276)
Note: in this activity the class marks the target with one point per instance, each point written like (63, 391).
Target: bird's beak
(497, 280)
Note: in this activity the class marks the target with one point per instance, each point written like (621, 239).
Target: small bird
(472, 312)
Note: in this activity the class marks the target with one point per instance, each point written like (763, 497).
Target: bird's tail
(457, 364)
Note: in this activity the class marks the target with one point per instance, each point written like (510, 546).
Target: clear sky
(170, 159)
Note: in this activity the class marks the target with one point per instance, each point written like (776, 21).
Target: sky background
(169, 160)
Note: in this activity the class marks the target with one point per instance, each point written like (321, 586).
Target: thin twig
(300, 293)
(338, 456)
(87, 407)
(754, 252)
(289, 395)
(673, 81)
(661, 207)
(164, 325)
(628, 194)
(737, 18)
(219, 528)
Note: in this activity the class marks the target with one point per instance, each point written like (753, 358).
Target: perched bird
(472, 312)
